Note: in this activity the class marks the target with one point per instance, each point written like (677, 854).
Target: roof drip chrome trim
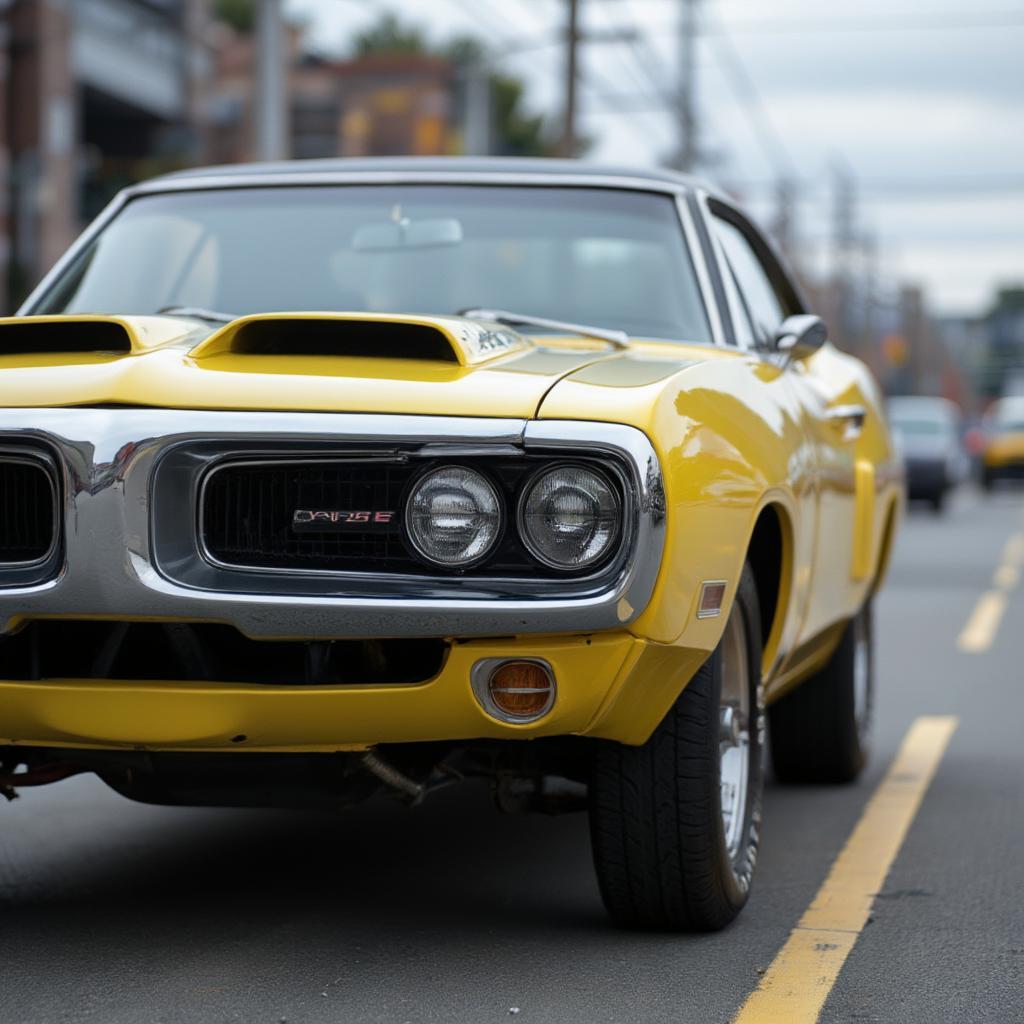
(410, 177)
(697, 257)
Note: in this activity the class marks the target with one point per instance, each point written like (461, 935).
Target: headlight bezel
(614, 485)
(512, 543)
(417, 549)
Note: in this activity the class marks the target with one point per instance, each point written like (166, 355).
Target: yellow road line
(794, 988)
(1013, 553)
(981, 628)
(1006, 577)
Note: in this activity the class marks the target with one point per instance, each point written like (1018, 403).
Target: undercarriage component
(544, 794)
(543, 776)
(412, 791)
(41, 775)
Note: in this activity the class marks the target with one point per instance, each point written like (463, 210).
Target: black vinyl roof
(440, 166)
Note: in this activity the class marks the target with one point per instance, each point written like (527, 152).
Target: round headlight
(569, 517)
(453, 516)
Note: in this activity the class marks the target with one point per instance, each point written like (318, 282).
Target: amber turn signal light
(520, 690)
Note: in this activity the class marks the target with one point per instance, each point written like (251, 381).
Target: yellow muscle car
(326, 479)
(1002, 457)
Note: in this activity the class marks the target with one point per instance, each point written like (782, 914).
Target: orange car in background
(1003, 455)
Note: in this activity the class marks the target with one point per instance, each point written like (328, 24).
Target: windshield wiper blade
(197, 313)
(620, 339)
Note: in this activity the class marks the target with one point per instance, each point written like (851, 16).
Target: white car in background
(927, 432)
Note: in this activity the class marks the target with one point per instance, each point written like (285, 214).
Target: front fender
(727, 431)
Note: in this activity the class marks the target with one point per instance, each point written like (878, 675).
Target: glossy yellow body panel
(596, 680)
(737, 436)
(191, 370)
(142, 332)
(471, 344)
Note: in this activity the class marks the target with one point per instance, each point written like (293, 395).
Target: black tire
(656, 825)
(987, 480)
(937, 501)
(819, 732)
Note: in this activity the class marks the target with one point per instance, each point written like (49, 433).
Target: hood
(340, 362)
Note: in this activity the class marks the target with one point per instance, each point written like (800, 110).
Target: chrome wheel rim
(734, 720)
(861, 678)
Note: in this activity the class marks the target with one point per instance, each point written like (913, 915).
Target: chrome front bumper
(130, 551)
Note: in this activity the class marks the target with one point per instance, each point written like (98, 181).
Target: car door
(829, 402)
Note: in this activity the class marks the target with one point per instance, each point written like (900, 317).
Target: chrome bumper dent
(116, 566)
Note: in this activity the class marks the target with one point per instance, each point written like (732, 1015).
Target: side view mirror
(800, 336)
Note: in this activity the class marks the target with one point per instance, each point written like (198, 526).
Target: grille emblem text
(311, 519)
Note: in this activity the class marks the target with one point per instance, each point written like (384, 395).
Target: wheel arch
(770, 555)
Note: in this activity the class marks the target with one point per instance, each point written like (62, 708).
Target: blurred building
(991, 346)
(377, 105)
(98, 93)
(895, 335)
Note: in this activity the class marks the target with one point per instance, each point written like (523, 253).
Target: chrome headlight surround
(611, 498)
(130, 480)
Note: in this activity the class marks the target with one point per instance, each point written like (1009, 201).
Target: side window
(742, 329)
(762, 302)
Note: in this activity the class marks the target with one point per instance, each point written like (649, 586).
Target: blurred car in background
(1002, 457)
(927, 433)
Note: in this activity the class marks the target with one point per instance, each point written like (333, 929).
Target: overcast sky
(923, 100)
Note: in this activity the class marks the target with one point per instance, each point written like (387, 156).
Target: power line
(484, 15)
(891, 23)
(647, 71)
(747, 92)
(914, 187)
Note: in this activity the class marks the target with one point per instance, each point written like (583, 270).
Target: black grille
(27, 510)
(248, 509)
(247, 513)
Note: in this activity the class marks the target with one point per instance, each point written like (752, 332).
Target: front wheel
(674, 823)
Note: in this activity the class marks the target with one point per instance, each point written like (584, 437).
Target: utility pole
(844, 220)
(567, 145)
(844, 243)
(686, 107)
(869, 250)
(783, 227)
(271, 84)
(477, 128)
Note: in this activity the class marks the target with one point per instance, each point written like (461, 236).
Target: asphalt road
(115, 912)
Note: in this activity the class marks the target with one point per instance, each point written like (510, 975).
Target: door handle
(849, 417)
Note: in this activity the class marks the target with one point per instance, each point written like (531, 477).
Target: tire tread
(655, 819)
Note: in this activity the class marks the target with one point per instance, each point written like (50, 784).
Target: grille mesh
(26, 511)
(248, 509)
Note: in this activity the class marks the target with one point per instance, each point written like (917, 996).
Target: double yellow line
(794, 988)
(981, 628)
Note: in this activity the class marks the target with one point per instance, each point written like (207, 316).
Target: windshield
(606, 257)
